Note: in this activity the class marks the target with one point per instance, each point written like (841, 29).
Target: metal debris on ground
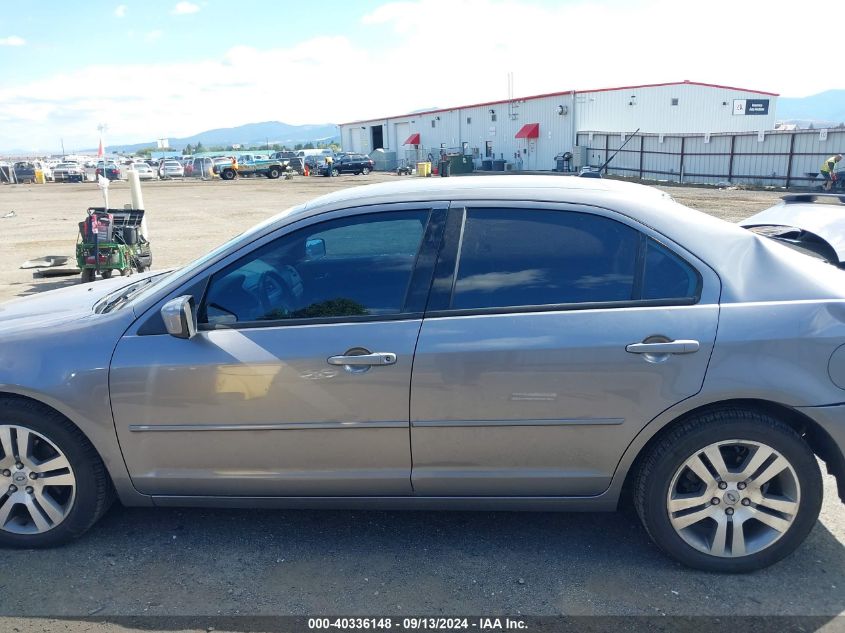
(47, 261)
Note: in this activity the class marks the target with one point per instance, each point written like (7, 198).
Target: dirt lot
(189, 218)
(201, 562)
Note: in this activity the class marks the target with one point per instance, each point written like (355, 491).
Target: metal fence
(789, 159)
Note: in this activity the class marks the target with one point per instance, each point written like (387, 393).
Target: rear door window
(527, 257)
(533, 257)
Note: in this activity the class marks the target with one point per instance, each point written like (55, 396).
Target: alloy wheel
(733, 498)
(37, 483)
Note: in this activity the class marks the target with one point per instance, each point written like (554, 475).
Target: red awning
(529, 130)
(414, 139)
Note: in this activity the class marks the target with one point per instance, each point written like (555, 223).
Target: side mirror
(179, 317)
(315, 248)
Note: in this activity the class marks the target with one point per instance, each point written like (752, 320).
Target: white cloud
(568, 46)
(120, 11)
(185, 8)
(154, 36)
(12, 40)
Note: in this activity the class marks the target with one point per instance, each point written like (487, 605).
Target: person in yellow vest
(329, 166)
(827, 171)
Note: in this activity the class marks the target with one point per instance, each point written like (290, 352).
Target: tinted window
(528, 257)
(358, 266)
(666, 276)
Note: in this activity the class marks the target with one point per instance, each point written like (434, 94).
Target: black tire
(664, 459)
(227, 174)
(273, 173)
(106, 274)
(335, 173)
(94, 492)
(365, 171)
(87, 276)
(125, 272)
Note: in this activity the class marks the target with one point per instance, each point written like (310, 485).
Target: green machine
(110, 240)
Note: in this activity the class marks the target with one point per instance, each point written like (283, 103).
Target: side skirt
(601, 503)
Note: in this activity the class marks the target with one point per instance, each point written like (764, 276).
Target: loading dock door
(378, 136)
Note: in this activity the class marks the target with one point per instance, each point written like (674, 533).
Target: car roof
(546, 188)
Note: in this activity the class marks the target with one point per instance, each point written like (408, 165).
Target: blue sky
(167, 68)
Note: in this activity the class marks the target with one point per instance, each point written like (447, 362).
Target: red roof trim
(564, 92)
(414, 139)
(529, 130)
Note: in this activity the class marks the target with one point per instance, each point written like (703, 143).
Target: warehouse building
(528, 133)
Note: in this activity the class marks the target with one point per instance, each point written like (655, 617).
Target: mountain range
(251, 134)
(825, 109)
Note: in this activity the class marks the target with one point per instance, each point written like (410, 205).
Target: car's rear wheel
(730, 491)
(53, 485)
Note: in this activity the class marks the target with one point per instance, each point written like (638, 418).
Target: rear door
(553, 335)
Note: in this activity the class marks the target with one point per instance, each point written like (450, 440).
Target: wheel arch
(818, 439)
(109, 454)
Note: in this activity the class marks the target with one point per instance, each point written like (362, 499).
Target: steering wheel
(275, 295)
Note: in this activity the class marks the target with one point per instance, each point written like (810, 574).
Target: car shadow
(191, 562)
(39, 285)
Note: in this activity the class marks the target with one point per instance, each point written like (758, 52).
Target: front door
(530, 375)
(297, 383)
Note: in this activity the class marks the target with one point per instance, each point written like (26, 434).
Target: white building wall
(700, 109)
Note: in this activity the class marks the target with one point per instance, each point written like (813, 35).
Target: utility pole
(63, 147)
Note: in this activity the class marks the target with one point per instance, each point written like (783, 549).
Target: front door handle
(667, 347)
(376, 358)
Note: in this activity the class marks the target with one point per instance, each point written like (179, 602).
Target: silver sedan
(525, 343)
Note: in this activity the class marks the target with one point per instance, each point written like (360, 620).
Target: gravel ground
(144, 562)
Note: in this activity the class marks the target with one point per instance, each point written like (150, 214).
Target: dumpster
(487, 164)
(460, 164)
(499, 165)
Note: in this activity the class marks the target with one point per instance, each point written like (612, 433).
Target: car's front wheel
(53, 485)
(729, 491)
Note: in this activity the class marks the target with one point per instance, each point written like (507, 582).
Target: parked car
(296, 163)
(112, 170)
(68, 172)
(45, 168)
(144, 171)
(805, 223)
(171, 169)
(222, 162)
(199, 168)
(350, 164)
(24, 171)
(492, 342)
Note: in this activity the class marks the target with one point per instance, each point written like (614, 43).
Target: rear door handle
(668, 347)
(376, 358)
